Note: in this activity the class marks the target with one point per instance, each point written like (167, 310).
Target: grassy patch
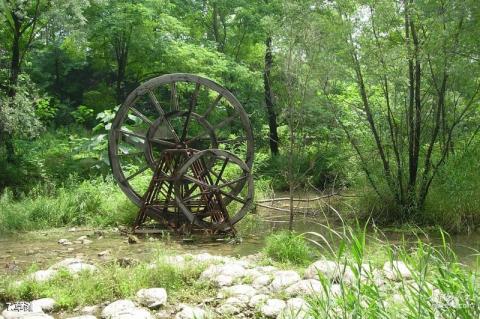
(110, 283)
(288, 247)
(95, 202)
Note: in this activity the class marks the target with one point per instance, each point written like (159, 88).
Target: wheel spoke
(136, 173)
(218, 126)
(193, 102)
(143, 137)
(238, 199)
(222, 170)
(155, 102)
(212, 106)
(161, 141)
(195, 196)
(197, 181)
(235, 181)
(140, 115)
(174, 96)
(130, 154)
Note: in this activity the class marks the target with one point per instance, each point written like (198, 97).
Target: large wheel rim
(224, 100)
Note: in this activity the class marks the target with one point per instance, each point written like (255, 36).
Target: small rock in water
(82, 238)
(272, 307)
(132, 239)
(152, 297)
(72, 230)
(126, 261)
(44, 304)
(396, 270)
(64, 242)
(189, 312)
(104, 253)
(86, 242)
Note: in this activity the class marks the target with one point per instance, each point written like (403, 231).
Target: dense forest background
(376, 99)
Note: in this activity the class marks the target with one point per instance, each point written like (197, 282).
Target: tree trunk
(13, 82)
(272, 117)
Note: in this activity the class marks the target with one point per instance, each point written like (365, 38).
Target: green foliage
(83, 114)
(288, 247)
(99, 100)
(45, 110)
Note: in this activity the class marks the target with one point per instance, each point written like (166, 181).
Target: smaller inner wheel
(214, 189)
(164, 134)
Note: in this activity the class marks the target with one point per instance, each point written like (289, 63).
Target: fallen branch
(296, 199)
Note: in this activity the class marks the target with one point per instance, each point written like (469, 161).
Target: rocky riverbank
(247, 287)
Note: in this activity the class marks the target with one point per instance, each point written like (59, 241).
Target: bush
(288, 247)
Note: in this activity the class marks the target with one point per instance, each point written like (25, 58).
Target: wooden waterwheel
(181, 149)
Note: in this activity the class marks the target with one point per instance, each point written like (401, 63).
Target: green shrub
(288, 247)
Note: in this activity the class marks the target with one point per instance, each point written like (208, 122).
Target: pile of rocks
(244, 289)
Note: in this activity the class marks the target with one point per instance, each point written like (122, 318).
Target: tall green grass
(92, 202)
(440, 287)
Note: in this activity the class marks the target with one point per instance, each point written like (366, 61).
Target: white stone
(267, 269)
(327, 268)
(258, 300)
(228, 309)
(83, 317)
(272, 307)
(231, 270)
(396, 270)
(25, 315)
(64, 242)
(238, 290)
(297, 308)
(223, 280)
(189, 312)
(253, 273)
(65, 262)
(297, 303)
(42, 275)
(206, 257)
(262, 281)
(82, 238)
(284, 278)
(152, 297)
(90, 310)
(44, 304)
(305, 287)
(336, 290)
(78, 267)
(87, 241)
(117, 307)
